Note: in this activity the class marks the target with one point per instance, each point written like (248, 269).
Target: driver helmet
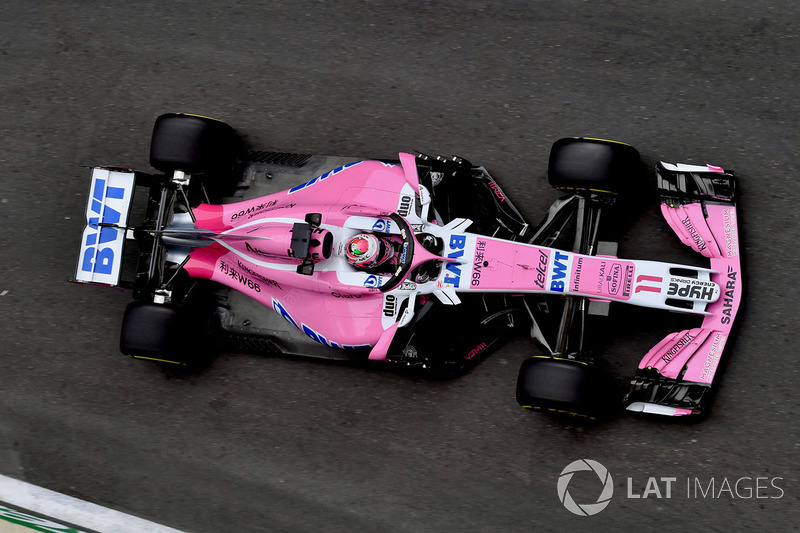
(368, 251)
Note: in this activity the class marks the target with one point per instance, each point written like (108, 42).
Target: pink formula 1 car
(420, 262)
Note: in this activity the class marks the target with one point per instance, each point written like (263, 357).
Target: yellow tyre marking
(583, 189)
(158, 360)
(200, 116)
(559, 411)
(602, 140)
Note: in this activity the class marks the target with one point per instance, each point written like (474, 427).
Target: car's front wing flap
(675, 376)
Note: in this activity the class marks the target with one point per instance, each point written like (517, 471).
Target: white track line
(56, 506)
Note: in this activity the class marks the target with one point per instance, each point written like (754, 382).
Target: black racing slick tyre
(566, 387)
(595, 165)
(193, 144)
(159, 332)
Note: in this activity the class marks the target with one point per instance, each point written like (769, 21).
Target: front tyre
(594, 165)
(566, 388)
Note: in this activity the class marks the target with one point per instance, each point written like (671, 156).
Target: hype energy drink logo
(110, 196)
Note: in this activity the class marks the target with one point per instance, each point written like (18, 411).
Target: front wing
(675, 377)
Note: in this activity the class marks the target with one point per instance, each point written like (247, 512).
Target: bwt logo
(98, 255)
(559, 272)
(453, 273)
(586, 509)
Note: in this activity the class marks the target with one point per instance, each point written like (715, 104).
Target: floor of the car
(271, 172)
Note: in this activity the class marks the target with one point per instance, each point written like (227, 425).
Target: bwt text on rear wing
(103, 240)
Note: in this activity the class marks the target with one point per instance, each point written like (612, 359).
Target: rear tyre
(568, 388)
(191, 143)
(196, 145)
(159, 332)
(595, 165)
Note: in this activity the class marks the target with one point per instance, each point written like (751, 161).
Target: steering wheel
(406, 256)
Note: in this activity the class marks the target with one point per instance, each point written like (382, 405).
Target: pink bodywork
(342, 307)
(332, 312)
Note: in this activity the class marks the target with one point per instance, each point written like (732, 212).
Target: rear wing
(103, 240)
(675, 377)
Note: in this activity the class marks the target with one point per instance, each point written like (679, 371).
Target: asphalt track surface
(270, 444)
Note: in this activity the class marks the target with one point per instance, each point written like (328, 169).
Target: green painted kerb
(33, 522)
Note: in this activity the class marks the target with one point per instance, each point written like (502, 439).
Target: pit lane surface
(270, 444)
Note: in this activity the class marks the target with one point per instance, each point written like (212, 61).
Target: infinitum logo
(585, 509)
